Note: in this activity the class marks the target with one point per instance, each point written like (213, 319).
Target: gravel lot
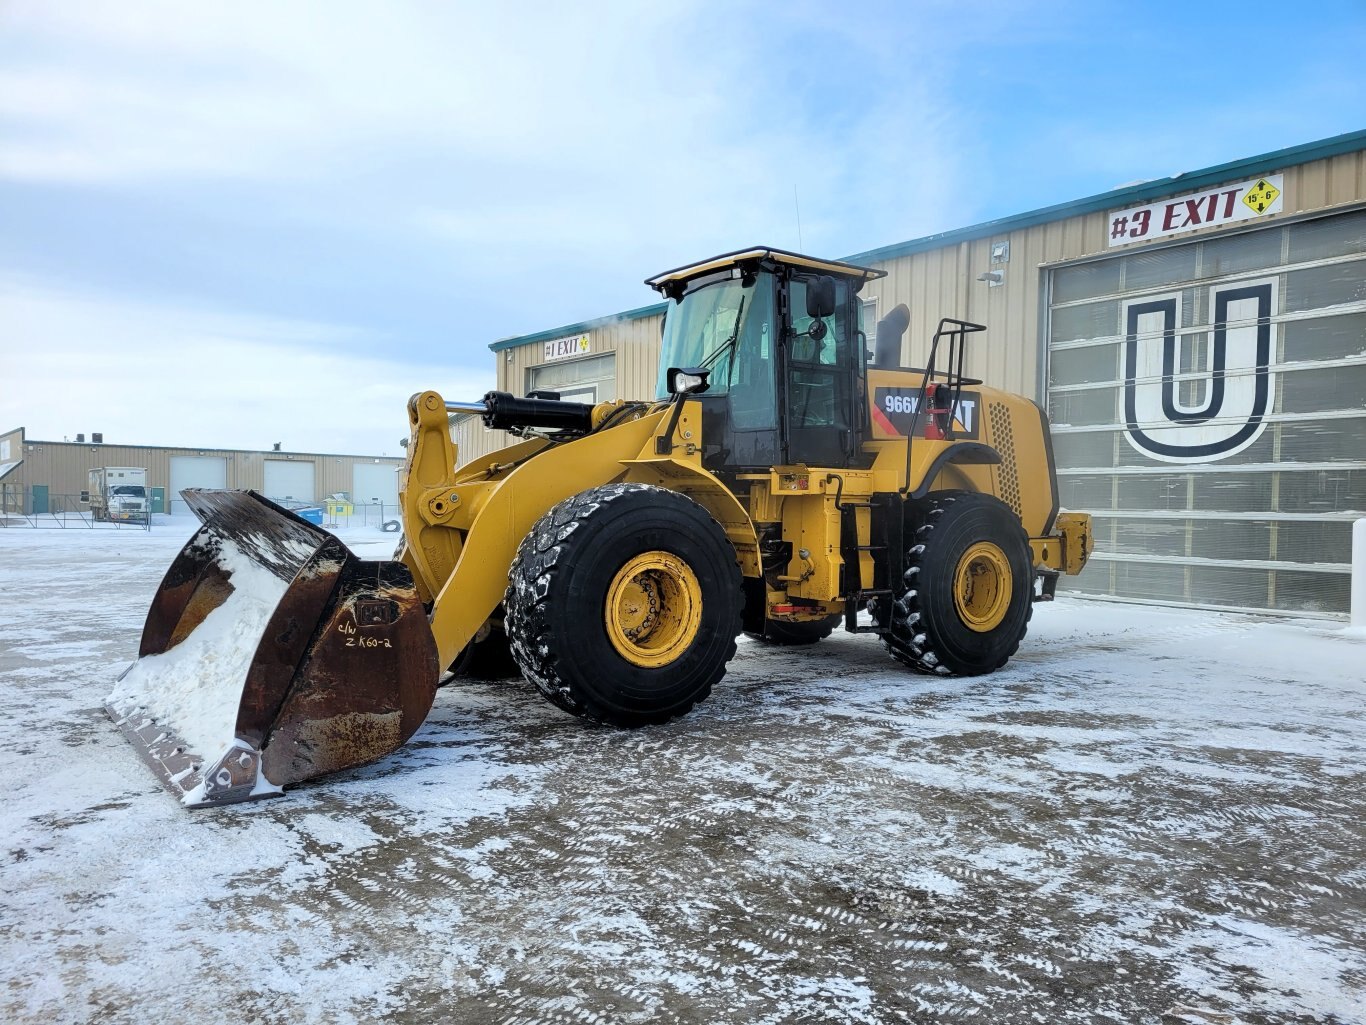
(1150, 816)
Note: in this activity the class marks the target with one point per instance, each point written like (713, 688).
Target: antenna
(799, 217)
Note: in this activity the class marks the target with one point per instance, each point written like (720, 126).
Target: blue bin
(314, 516)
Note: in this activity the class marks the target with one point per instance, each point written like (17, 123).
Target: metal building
(38, 477)
(1199, 342)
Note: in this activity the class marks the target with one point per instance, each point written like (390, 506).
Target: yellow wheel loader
(783, 481)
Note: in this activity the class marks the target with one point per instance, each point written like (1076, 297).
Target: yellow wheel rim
(654, 609)
(982, 587)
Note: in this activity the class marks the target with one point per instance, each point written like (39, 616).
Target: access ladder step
(851, 623)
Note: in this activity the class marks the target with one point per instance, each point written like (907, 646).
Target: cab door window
(819, 362)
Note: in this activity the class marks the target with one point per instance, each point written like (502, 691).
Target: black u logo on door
(1237, 379)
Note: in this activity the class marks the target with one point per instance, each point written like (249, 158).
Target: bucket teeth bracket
(234, 777)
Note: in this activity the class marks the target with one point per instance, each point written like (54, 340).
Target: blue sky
(232, 224)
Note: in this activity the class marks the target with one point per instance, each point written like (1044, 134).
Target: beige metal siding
(1326, 183)
(472, 439)
(64, 466)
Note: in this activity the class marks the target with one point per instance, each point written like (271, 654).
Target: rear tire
(623, 604)
(967, 593)
(788, 634)
(489, 658)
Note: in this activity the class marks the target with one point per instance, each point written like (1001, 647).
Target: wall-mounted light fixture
(992, 277)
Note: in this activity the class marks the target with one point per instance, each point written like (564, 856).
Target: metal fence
(33, 506)
(23, 505)
(381, 516)
(329, 513)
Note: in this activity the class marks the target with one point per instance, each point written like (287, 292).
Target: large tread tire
(557, 596)
(928, 631)
(788, 634)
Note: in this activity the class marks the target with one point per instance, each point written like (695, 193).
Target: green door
(158, 500)
(39, 499)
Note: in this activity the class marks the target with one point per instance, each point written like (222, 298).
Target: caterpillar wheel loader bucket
(271, 654)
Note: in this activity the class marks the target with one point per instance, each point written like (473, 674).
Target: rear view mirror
(820, 296)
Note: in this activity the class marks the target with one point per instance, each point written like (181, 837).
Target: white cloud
(610, 120)
(153, 374)
(152, 88)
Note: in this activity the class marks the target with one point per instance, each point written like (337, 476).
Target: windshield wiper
(729, 343)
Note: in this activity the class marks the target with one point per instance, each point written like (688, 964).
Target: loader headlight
(687, 382)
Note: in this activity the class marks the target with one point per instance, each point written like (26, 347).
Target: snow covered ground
(1150, 815)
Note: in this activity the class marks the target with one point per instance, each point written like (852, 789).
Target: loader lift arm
(470, 522)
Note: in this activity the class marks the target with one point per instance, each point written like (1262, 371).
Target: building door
(39, 499)
(376, 484)
(589, 380)
(289, 480)
(158, 500)
(195, 472)
(1209, 403)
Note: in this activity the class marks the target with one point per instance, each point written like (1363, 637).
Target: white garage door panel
(1207, 401)
(289, 479)
(375, 484)
(195, 472)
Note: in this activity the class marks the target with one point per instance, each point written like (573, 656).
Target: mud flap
(343, 672)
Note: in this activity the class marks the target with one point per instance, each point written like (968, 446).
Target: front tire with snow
(968, 587)
(623, 604)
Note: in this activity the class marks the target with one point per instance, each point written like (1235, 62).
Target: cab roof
(661, 282)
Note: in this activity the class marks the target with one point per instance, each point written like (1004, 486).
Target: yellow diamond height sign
(1261, 196)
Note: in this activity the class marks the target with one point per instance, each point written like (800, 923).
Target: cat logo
(895, 411)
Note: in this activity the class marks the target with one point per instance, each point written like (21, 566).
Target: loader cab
(778, 335)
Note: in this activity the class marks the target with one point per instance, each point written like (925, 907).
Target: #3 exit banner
(1228, 203)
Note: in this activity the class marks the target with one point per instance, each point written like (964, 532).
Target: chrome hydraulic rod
(503, 411)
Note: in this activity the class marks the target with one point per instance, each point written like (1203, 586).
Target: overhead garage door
(289, 480)
(376, 484)
(1209, 410)
(581, 380)
(195, 472)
